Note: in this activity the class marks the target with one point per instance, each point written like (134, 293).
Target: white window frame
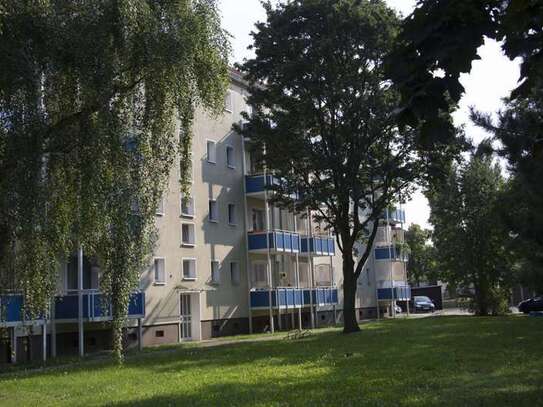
(155, 281)
(211, 279)
(209, 158)
(229, 102)
(183, 214)
(185, 278)
(235, 283)
(160, 209)
(185, 244)
(235, 213)
(231, 164)
(216, 218)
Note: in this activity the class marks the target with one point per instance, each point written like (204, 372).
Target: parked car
(532, 304)
(423, 304)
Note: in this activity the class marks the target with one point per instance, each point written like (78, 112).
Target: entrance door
(186, 317)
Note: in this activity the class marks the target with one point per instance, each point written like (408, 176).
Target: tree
(438, 43)
(421, 265)
(470, 237)
(89, 94)
(322, 114)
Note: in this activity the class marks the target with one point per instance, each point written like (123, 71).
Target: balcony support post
(332, 277)
(13, 339)
(312, 269)
(53, 330)
(44, 340)
(270, 277)
(297, 276)
(80, 301)
(140, 334)
(246, 229)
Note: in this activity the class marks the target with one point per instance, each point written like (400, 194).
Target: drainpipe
(80, 301)
(246, 230)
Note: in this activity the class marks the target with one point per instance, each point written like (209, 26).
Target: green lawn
(431, 361)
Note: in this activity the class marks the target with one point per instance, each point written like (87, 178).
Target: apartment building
(227, 262)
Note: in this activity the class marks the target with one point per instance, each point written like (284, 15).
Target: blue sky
(490, 79)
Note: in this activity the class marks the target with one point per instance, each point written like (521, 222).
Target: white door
(186, 317)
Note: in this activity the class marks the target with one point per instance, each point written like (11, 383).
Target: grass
(432, 361)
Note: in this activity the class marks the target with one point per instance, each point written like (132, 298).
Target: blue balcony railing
(393, 253)
(319, 246)
(400, 293)
(288, 297)
(394, 215)
(255, 184)
(276, 241)
(67, 307)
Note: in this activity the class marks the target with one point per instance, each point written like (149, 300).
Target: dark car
(421, 303)
(532, 304)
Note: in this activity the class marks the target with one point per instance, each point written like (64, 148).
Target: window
(323, 275)
(187, 206)
(160, 271)
(235, 274)
(258, 220)
(160, 207)
(187, 234)
(228, 102)
(230, 157)
(232, 217)
(159, 334)
(189, 269)
(215, 274)
(213, 212)
(211, 152)
(260, 277)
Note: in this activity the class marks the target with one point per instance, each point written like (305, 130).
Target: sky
(490, 80)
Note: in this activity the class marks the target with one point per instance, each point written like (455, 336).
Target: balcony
(402, 293)
(288, 297)
(393, 253)
(394, 215)
(318, 246)
(255, 185)
(321, 296)
(277, 241)
(67, 308)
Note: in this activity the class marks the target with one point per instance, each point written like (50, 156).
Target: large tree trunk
(350, 324)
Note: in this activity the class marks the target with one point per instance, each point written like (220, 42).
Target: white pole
(80, 301)
(314, 313)
(297, 274)
(246, 230)
(389, 241)
(268, 231)
(53, 330)
(140, 334)
(13, 346)
(44, 340)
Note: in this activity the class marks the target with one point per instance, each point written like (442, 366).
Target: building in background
(226, 262)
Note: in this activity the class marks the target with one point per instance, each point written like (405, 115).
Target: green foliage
(519, 128)
(438, 43)
(448, 361)
(89, 93)
(322, 111)
(469, 235)
(421, 266)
